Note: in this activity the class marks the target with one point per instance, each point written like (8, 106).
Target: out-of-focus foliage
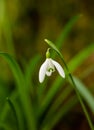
(24, 24)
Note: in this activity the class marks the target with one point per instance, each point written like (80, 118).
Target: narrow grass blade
(24, 97)
(49, 124)
(84, 54)
(66, 30)
(17, 114)
(88, 97)
(82, 103)
(59, 100)
(50, 95)
(30, 70)
(56, 104)
(73, 83)
(80, 57)
(4, 91)
(5, 110)
(41, 90)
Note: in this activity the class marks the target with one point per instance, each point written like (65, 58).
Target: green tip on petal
(48, 53)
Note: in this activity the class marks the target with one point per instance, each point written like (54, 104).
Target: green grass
(35, 106)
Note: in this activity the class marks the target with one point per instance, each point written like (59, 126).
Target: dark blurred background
(34, 20)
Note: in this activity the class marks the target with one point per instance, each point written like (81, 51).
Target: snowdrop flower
(48, 67)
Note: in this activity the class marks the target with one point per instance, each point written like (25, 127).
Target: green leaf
(73, 83)
(57, 104)
(30, 70)
(64, 34)
(50, 95)
(5, 110)
(80, 57)
(84, 92)
(17, 114)
(54, 119)
(24, 97)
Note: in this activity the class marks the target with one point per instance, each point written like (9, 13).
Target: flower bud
(48, 53)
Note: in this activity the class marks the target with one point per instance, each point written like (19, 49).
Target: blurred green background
(29, 22)
(24, 24)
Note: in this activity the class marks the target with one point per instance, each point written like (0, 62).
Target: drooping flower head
(48, 67)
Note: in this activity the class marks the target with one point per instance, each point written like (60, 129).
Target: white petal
(50, 64)
(50, 67)
(42, 71)
(59, 68)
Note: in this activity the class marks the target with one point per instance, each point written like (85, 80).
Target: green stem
(82, 104)
(78, 95)
(73, 82)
